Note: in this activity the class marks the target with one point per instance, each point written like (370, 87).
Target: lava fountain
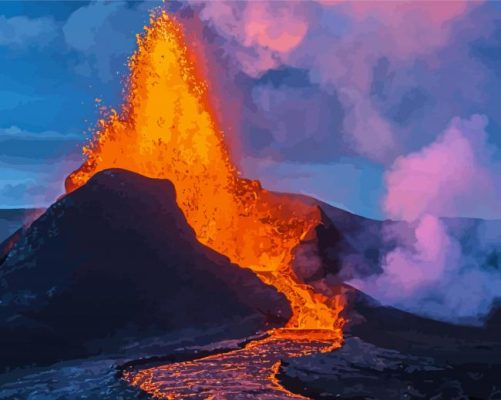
(166, 129)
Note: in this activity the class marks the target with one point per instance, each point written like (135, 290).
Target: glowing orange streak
(252, 370)
(166, 129)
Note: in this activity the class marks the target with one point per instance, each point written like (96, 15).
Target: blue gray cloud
(21, 31)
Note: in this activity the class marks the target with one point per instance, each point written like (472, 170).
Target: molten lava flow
(166, 129)
(248, 373)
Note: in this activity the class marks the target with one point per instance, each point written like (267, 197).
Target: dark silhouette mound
(117, 259)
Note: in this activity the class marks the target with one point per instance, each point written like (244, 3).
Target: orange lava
(248, 373)
(166, 129)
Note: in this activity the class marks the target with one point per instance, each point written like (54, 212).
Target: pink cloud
(427, 271)
(279, 29)
(447, 178)
(431, 276)
(411, 27)
(413, 267)
(367, 131)
(260, 34)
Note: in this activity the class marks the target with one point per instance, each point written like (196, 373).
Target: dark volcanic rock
(392, 328)
(344, 245)
(116, 258)
(360, 370)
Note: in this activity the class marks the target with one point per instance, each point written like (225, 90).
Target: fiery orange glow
(247, 373)
(166, 129)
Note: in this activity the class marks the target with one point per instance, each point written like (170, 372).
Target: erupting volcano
(164, 273)
(166, 129)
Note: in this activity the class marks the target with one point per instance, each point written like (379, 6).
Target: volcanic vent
(166, 129)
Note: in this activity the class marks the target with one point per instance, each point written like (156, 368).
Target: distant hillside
(12, 219)
(352, 246)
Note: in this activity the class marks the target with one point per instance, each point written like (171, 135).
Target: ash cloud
(322, 81)
(371, 56)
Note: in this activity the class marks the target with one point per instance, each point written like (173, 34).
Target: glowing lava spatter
(166, 129)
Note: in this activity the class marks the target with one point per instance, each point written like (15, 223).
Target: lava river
(247, 373)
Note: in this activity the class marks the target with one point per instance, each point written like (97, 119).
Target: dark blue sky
(327, 103)
(53, 70)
